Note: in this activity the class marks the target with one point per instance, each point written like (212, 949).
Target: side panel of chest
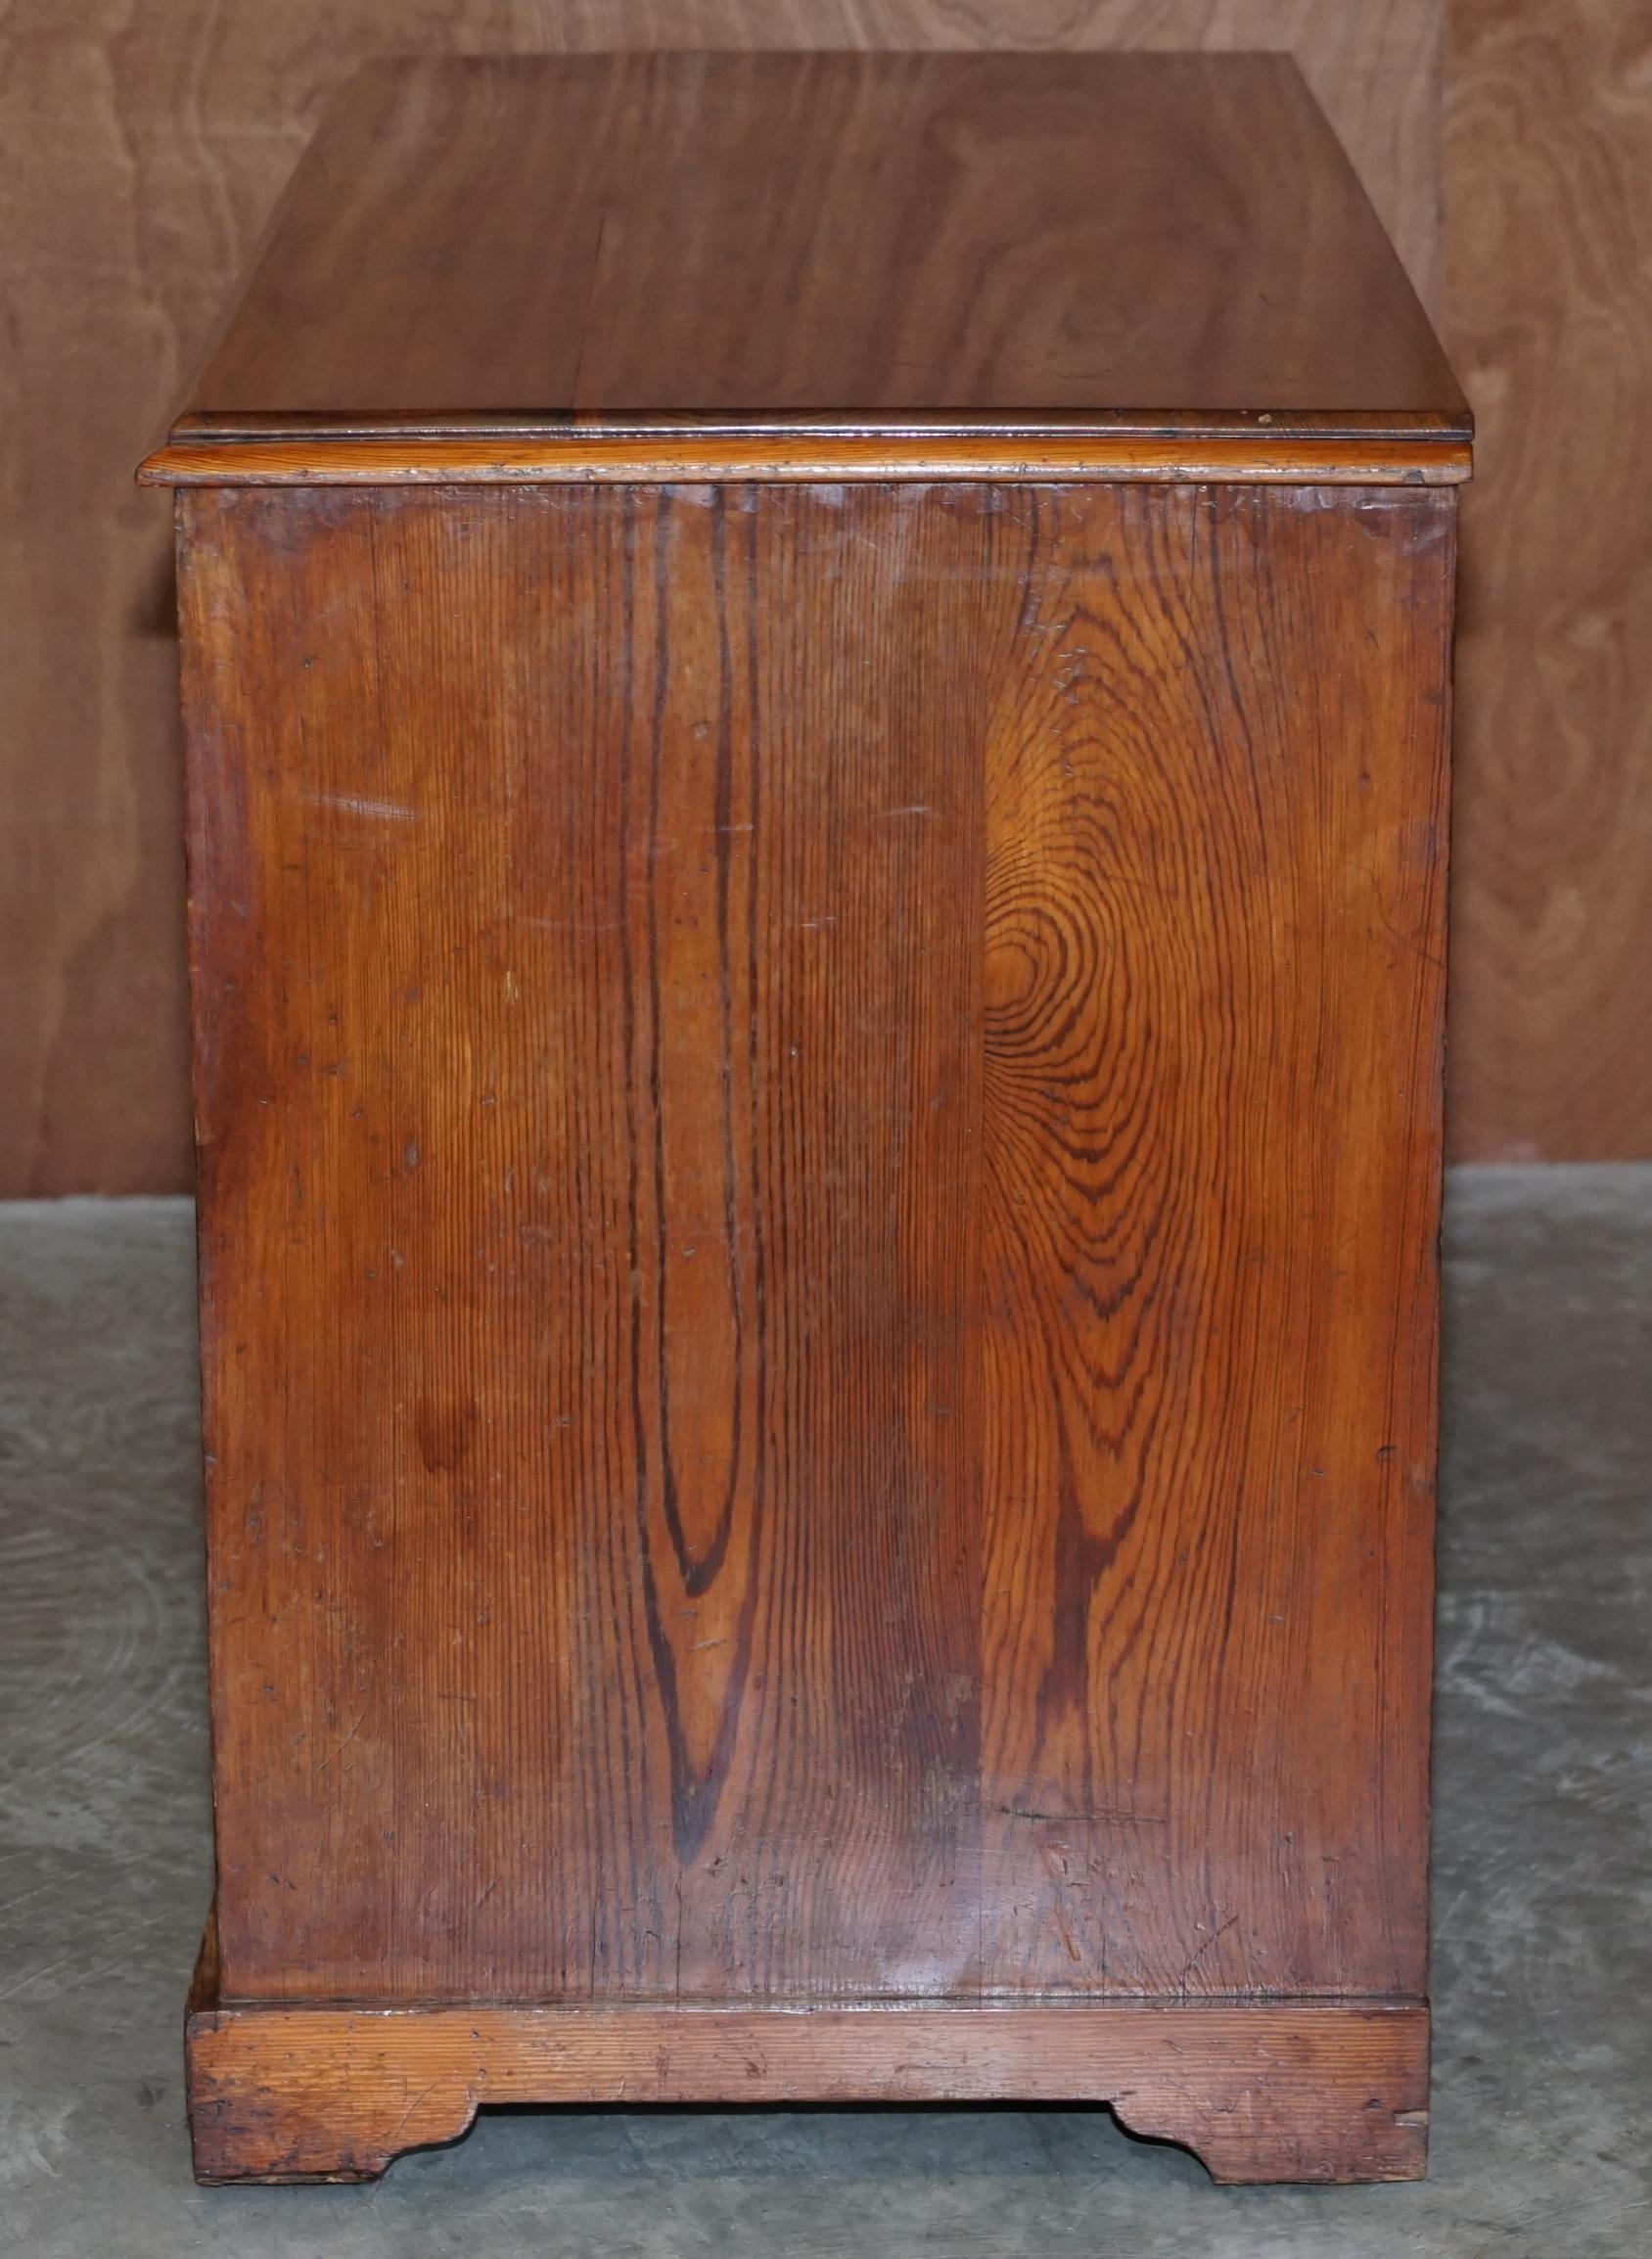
(819, 1170)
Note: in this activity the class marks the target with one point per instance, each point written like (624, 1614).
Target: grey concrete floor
(1543, 2102)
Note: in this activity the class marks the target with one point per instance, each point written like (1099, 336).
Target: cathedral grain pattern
(1212, 1062)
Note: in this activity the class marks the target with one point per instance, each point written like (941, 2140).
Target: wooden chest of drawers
(817, 715)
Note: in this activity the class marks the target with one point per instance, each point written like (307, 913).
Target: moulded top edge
(1392, 457)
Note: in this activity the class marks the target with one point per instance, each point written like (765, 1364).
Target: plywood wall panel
(140, 148)
(1550, 324)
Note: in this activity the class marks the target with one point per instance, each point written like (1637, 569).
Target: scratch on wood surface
(353, 804)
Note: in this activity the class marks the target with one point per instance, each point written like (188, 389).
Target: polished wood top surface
(820, 254)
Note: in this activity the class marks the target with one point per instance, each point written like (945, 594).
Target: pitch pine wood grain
(138, 162)
(1551, 316)
(1209, 1195)
(679, 1305)
(745, 237)
(826, 1103)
